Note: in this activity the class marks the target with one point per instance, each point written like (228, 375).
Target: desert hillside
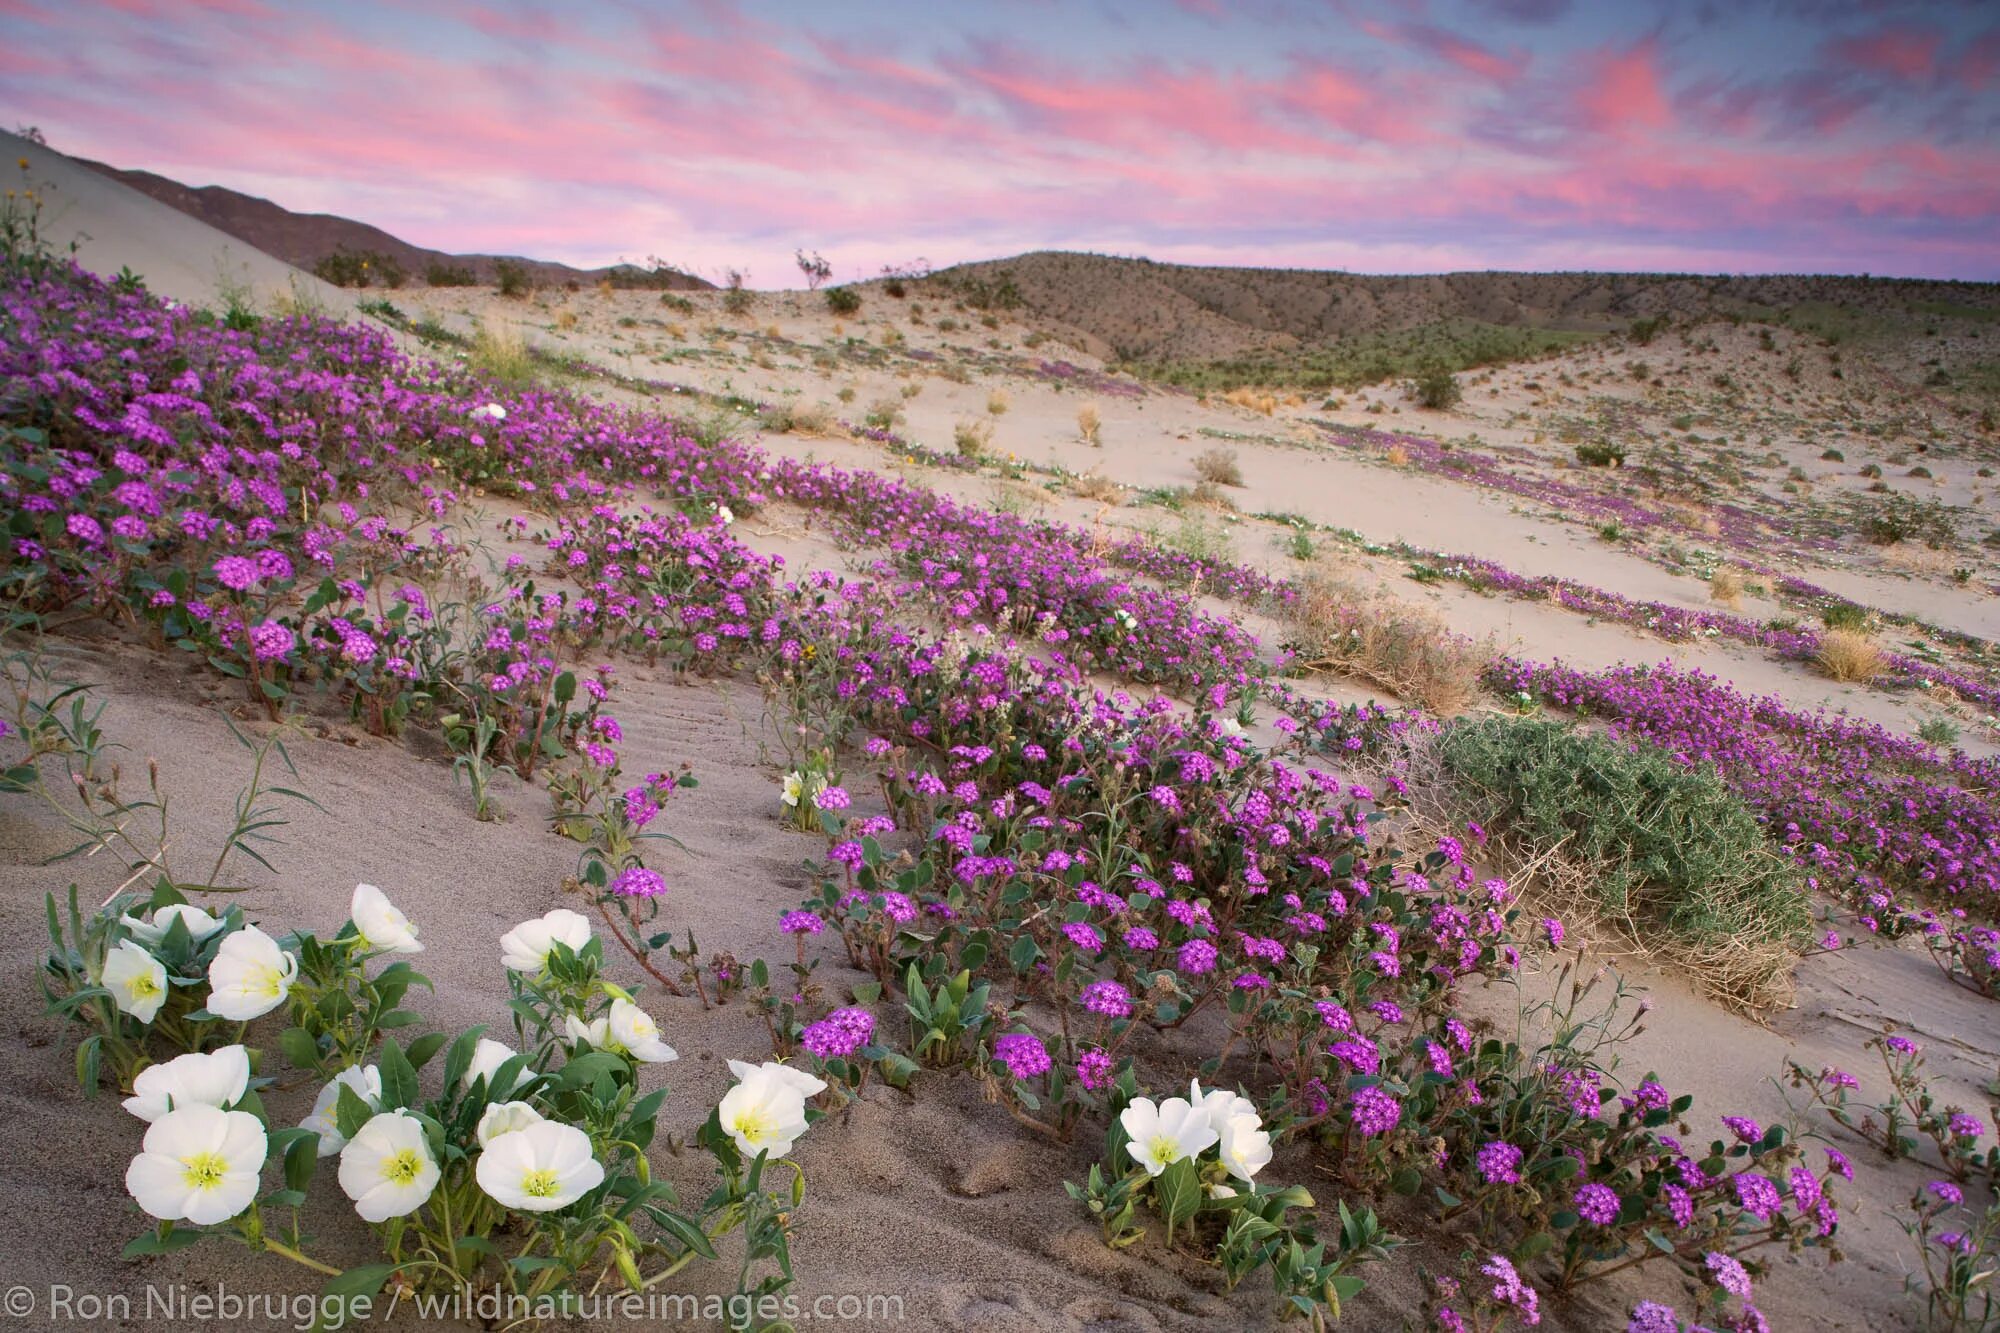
(1156, 315)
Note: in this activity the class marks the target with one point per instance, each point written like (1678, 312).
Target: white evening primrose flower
(366, 1081)
(489, 412)
(1245, 1148)
(1220, 1105)
(725, 514)
(765, 1112)
(794, 787)
(200, 925)
(505, 1118)
(249, 976)
(596, 1031)
(807, 1085)
(137, 981)
(1166, 1132)
(216, 1078)
(539, 1169)
(387, 1168)
(198, 1164)
(487, 1057)
(633, 1029)
(381, 926)
(526, 948)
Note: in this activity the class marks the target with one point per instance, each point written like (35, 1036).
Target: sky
(1383, 136)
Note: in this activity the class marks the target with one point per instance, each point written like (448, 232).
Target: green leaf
(1177, 1193)
(299, 1048)
(337, 1296)
(399, 1077)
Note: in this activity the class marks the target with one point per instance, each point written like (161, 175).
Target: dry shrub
(1212, 496)
(1726, 585)
(1093, 486)
(996, 403)
(1252, 400)
(1848, 654)
(972, 437)
(1398, 456)
(1088, 424)
(502, 351)
(1405, 649)
(565, 320)
(1218, 466)
(814, 419)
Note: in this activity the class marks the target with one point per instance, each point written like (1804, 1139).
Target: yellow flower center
(142, 987)
(1162, 1150)
(265, 981)
(754, 1126)
(204, 1170)
(540, 1184)
(404, 1167)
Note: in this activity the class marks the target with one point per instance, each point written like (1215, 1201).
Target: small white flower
(381, 926)
(1165, 1132)
(200, 925)
(1231, 727)
(725, 514)
(539, 1169)
(137, 981)
(526, 947)
(366, 1081)
(807, 1085)
(387, 1169)
(1245, 1147)
(794, 788)
(597, 1031)
(217, 1078)
(766, 1110)
(198, 1164)
(487, 1057)
(490, 412)
(633, 1029)
(504, 1118)
(250, 976)
(1220, 1105)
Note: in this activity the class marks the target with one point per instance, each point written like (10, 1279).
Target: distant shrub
(1435, 387)
(972, 437)
(1832, 456)
(359, 268)
(996, 402)
(503, 353)
(1847, 654)
(1093, 486)
(1664, 853)
(1643, 331)
(1897, 518)
(1088, 425)
(736, 298)
(1603, 454)
(511, 277)
(883, 414)
(1845, 615)
(1726, 585)
(843, 300)
(1219, 466)
(1873, 470)
(437, 274)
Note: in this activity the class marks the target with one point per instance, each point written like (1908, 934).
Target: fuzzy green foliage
(1456, 345)
(1665, 849)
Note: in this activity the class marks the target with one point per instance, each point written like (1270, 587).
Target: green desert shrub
(1663, 853)
(440, 274)
(843, 300)
(1435, 387)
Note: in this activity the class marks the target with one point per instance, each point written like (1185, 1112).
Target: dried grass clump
(1088, 424)
(1849, 654)
(1252, 400)
(1398, 456)
(1093, 486)
(1405, 649)
(1726, 585)
(1665, 858)
(502, 351)
(972, 438)
(1208, 494)
(814, 419)
(996, 403)
(1219, 466)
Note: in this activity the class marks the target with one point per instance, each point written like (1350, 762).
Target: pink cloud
(1907, 54)
(1624, 90)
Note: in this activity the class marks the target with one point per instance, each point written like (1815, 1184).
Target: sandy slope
(114, 226)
